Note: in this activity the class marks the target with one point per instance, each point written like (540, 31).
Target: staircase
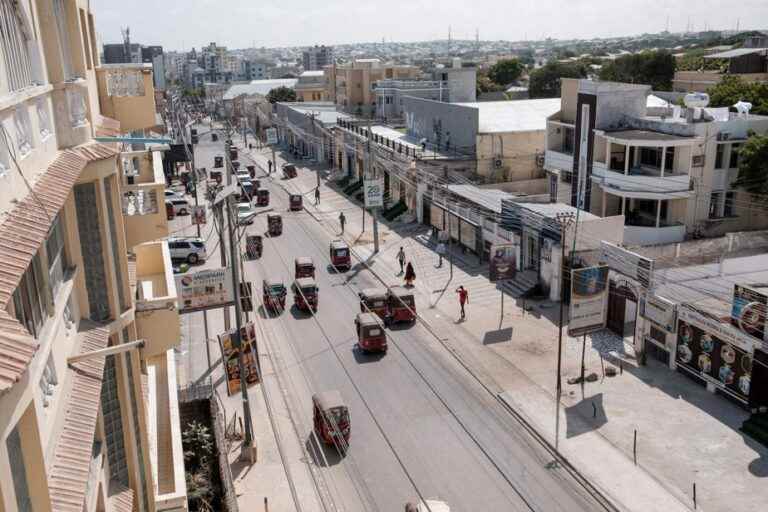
(522, 285)
(756, 427)
(343, 182)
(353, 187)
(395, 211)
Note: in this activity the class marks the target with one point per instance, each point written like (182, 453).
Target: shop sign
(589, 294)
(205, 289)
(627, 263)
(748, 311)
(659, 310)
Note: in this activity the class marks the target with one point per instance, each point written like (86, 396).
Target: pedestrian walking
(401, 259)
(410, 275)
(342, 221)
(441, 249)
(270, 167)
(463, 299)
(317, 196)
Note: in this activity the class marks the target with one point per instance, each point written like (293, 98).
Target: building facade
(311, 86)
(316, 57)
(350, 86)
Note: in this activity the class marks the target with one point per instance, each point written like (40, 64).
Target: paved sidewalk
(684, 434)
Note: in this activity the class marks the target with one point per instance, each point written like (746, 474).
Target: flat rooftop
(514, 116)
(261, 87)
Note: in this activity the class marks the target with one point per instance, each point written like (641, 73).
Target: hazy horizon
(240, 24)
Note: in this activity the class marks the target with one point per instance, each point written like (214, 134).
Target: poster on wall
(714, 360)
(230, 354)
(748, 311)
(205, 289)
(468, 235)
(503, 264)
(373, 192)
(660, 311)
(589, 295)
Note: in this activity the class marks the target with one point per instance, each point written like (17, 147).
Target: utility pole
(565, 220)
(314, 138)
(372, 174)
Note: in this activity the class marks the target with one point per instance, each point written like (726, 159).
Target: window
(43, 119)
(734, 160)
(729, 208)
(113, 422)
(48, 381)
(14, 41)
(719, 156)
(29, 298)
(86, 45)
(78, 112)
(714, 204)
(60, 14)
(92, 33)
(18, 470)
(568, 138)
(57, 260)
(650, 157)
(23, 130)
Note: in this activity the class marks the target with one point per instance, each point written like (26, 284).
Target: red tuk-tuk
(402, 306)
(216, 176)
(274, 224)
(370, 333)
(304, 267)
(340, 257)
(262, 197)
(274, 293)
(295, 202)
(330, 417)
(305, 295)
(289, 171)
(218, 161)
(251, 170)
(374, 300)
(170, 213)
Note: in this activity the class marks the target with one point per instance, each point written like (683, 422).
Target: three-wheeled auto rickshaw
(274, 293)
(370, 333)
(274, 224)
(218, 162)
(289, 171)
(262, 197)
(251, 170)
(330, 417)
(305, 295)
(253, 246)
(295, 202)
(430, 505)
(216, 176)
(402, 306)
(304, 267)
(232, 153)
(340, 257)
(374, 300)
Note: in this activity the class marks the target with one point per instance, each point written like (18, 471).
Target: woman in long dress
(410, 275)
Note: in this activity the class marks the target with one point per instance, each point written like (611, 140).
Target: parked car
(243, 175)
(245, 213)
(172, 194)
(191, 250)
(180, 206)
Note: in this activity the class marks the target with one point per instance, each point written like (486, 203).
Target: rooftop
(514, 116)
(325, 111)
(312, 73)
(260, 87)
(738, 52)
(551, 210)
(488, 198)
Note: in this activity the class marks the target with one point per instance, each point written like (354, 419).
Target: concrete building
(307, 128)
(311, 86)
(252, 70)
(81, 428)
(250, 101)
(668, 169)
(750, 63)
(315, 58)
(350, 86)
(115, 53)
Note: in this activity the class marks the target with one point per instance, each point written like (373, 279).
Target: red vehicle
(330, 417)
(262, 197)
(402, 306)
(251, 170)
(370, 333)
(340, 257)
(304, 267)
(274, 295)
(289, 171)
(295, 202)
(305, 294)
(374, 300)
(170, 213)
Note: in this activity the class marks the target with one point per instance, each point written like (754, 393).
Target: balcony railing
(641, 186)
(644, 235)
(558, 160)
(157, 317)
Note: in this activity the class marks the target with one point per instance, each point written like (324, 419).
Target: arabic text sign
(589, 288)
(374, 193)
(204, 289)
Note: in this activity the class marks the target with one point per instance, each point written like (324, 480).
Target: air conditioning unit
(723, 136)
(497, 163)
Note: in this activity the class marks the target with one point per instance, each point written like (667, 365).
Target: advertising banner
(589, 294)
(271, 135)
(230, 354)
(716, 361)
(205, 289)
(627, 262)
(502, 264)
(660, 311)
(373, 192)
(748, 310)
(198, 215)
(253, 247)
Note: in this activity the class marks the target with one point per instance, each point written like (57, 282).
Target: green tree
(282, 93)
(732, 89)
(485, 84)
(694, 61)
(654, 68)
(545, 81)
(505, 71)
(198, 446)
(753, 165)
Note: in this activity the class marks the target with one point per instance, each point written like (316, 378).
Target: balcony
(558, 161)
(154, 287)
(143, 197)
(646, 235)
(641, 183)
(127, 94)
(164, 432)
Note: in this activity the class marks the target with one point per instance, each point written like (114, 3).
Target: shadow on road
(322, 455)
(363, 357)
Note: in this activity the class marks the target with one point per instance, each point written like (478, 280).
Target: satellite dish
(743, 107)
(696, 100)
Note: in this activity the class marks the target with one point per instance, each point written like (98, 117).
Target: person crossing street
(463, 299)
(401, 259)
(270, 166)
(342, 221)
(317, 196)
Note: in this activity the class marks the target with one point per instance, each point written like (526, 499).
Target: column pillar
(626, 159)
(605, 198)
(663, 159)
(623, 205)
(658, 212)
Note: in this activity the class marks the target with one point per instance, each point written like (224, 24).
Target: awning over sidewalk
(69, 474)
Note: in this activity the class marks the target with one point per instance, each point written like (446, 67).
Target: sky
(182, 24)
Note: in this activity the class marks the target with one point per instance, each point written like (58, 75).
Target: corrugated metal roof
(120, 497)
(22, 232)
(738, 52)
(68, 476)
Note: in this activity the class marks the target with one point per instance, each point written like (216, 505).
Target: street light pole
(371, 174)
(565, 220)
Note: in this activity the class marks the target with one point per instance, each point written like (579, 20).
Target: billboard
(271, 135)
(205, 289)
(660, 311)
(373, 192)
(253, 247)
(230, 354)
(503, 264)
(589, 294)
(748, 310)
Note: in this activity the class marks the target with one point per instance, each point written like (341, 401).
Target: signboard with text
(660, 311)
(271, 135)
(205, 289)
(627, 262)
(373, 191)
(589, 293)
(748, 311)
(230, 354)
(502, 264)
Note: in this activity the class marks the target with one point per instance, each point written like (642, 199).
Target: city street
(421, 424)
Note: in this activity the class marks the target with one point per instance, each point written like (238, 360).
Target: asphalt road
(421, 424)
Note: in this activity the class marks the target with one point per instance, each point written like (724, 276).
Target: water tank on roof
(696, 100)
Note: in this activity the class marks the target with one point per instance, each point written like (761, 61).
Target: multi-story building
(311, 86)
(88, 407)
(668, 169)
(750, 63)
(154, 55)
(316, 57)
(350, 85)
(252, 70)
(115, 53)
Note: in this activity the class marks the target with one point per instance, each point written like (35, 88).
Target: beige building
(350, 86)
(88, 414)
(311, 86)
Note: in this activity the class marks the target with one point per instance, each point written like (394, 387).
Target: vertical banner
(503, 264)
(271, 135)
(589, 295)
(230, 356)
(373, 192)
(586, 110)
(253, 247)
(198, 215)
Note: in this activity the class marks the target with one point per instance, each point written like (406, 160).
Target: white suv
(191, 250)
